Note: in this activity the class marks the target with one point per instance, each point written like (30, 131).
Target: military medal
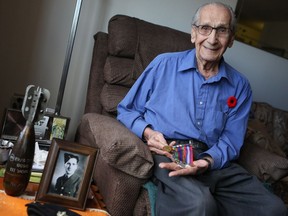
(168, 148)
(181, 154)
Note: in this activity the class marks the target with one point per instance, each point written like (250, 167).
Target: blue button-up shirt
(172, 97)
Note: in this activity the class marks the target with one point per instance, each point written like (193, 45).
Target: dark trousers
(230, 191)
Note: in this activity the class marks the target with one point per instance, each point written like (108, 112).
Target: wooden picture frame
(62, 158)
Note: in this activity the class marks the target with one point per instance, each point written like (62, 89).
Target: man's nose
(212, 38)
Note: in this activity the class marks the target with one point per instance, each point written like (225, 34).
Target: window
(263, 24)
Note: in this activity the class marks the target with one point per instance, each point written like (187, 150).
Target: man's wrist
(146, 133)
(209, 161)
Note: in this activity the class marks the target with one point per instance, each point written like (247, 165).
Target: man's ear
(231, 41)
(193, 35)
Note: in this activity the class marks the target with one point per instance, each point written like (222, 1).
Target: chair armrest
(118, 146)
(267, 166)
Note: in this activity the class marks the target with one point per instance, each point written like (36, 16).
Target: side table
(95, 200)
(30, 190)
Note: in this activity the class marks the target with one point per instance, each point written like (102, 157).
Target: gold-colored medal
(168, 148)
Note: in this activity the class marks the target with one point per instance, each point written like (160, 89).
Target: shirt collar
(189, 62)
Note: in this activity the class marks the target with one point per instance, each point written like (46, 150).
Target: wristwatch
(209, 163)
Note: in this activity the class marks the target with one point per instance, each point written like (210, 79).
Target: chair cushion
(118, 70)
(267, 166)
(155, 39)
(111, 95)
(122, 39)
(118, 146)
(135, 38)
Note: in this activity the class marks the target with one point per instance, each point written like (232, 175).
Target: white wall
(33, 43)
(267, 73)
(34, 54)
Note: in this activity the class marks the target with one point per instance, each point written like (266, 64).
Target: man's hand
(198, 167)
(156, 142)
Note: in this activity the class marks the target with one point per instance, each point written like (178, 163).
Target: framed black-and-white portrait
(67, 174)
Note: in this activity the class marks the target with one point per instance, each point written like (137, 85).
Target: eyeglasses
(206, 30)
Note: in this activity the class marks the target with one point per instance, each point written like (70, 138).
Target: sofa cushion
(267, 166)
(118, 146)
(272, 123)
(258, 134)
(263, 112)
(280, 132)
(280, 188)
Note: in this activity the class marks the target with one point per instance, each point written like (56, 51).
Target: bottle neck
(29, 123)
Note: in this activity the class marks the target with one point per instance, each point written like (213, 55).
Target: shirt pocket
(214, 124)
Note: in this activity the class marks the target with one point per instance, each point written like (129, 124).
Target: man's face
(210, 48)
(71, 166)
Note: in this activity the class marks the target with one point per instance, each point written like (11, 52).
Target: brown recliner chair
(124, 163)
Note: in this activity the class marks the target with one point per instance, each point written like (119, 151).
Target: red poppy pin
(232, 102)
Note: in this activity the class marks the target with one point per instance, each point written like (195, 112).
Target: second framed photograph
(67, 174)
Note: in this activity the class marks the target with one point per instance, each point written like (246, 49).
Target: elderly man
(194, 103)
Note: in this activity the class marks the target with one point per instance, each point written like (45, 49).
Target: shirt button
(201, 102)
(199, 123)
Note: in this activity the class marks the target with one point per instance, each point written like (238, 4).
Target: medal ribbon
(183, 153)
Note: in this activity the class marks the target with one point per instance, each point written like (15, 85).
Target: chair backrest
(121, 55)
(270, 126)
